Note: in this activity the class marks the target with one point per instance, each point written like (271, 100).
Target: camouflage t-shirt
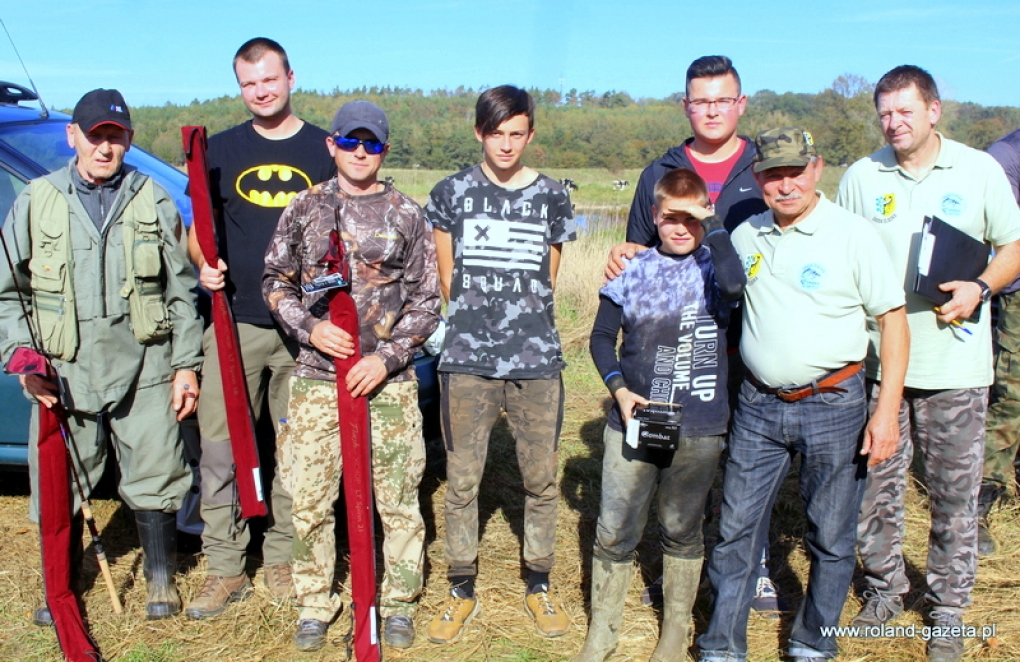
(501, 299)
(393, 274)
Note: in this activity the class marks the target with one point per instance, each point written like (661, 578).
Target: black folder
(946, 254)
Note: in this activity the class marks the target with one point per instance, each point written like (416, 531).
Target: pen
(957, 324)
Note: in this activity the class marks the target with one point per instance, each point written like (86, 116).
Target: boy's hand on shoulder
(629, 402)
(618, 256)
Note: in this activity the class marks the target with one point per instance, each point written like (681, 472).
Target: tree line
(433, 130)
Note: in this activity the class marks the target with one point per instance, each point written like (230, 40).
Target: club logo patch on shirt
(751, 265)
(885, 206)
(500, 244)
(953, 205)
(811, 276)
(271, 185)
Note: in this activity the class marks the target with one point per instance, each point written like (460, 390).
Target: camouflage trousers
(311, 467)
(1003, 427)
(949, 430)
(534, 411)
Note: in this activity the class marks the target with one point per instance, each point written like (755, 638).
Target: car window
(43, 142)
(10, 187)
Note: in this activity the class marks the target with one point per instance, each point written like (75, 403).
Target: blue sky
(156, 52)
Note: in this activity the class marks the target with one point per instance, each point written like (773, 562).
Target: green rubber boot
(609, 584)
(680, 579)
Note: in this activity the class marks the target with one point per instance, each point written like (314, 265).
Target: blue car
(33, 143)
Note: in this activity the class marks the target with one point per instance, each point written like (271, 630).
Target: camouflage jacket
(395, 284)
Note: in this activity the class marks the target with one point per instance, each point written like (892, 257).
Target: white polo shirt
(809, 291)
(965, 188)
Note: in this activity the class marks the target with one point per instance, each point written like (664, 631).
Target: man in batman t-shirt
(256, 168)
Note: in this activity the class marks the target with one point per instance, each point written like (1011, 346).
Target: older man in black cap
(102, 273)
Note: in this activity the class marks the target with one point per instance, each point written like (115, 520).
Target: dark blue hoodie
(739, 199)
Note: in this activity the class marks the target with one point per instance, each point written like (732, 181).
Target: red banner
(355, 436)
(55, 534)
(240, 422)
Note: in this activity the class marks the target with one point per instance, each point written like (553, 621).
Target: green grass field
(595, 189)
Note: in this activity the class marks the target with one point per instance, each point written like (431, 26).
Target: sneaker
(398, 631)
(766, 598)
(280, 582)
(945, 645)
(879, 609)
(310, 635)
(216, 593)
(447, 625)
(550, 621)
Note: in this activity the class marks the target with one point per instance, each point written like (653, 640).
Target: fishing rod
(69, 443)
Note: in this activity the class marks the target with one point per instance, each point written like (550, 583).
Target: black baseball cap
(102, 107)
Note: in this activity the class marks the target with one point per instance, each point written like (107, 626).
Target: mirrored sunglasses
(351, 145)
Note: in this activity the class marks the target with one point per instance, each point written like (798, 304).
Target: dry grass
(259, 630)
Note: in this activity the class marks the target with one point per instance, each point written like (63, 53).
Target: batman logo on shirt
(271, 185)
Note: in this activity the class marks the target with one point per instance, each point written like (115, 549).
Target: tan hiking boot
(216, 593)
(280, 582)
(550, 621)
(448, 624)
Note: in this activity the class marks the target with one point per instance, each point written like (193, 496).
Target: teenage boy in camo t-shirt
(499, 231)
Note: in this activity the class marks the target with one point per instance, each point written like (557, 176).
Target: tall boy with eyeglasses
(395, 287)
(499, 232)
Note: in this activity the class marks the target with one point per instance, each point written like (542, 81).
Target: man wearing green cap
(813, 276)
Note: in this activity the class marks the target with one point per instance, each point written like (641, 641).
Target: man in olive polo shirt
(814, 273)
(922, 173)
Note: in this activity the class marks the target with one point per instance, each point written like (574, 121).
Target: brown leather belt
(826, 384)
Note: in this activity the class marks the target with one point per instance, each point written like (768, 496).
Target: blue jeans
(766, 434)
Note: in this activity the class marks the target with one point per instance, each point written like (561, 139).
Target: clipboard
(945, 254)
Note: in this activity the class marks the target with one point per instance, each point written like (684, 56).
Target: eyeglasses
(351, 145)
(702, 105)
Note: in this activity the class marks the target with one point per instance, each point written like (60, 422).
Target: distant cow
(389, 180)
(620, 184)
(569, 184)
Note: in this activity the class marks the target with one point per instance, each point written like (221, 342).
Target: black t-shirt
(252, 180)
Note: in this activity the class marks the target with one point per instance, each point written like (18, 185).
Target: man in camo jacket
(395, 287)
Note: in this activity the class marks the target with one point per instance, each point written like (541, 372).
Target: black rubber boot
(41, 616)
(157, 531)
(987, 497)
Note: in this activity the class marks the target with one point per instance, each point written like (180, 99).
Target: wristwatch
(986, 292)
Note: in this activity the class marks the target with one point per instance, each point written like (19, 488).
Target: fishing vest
(52, 266)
